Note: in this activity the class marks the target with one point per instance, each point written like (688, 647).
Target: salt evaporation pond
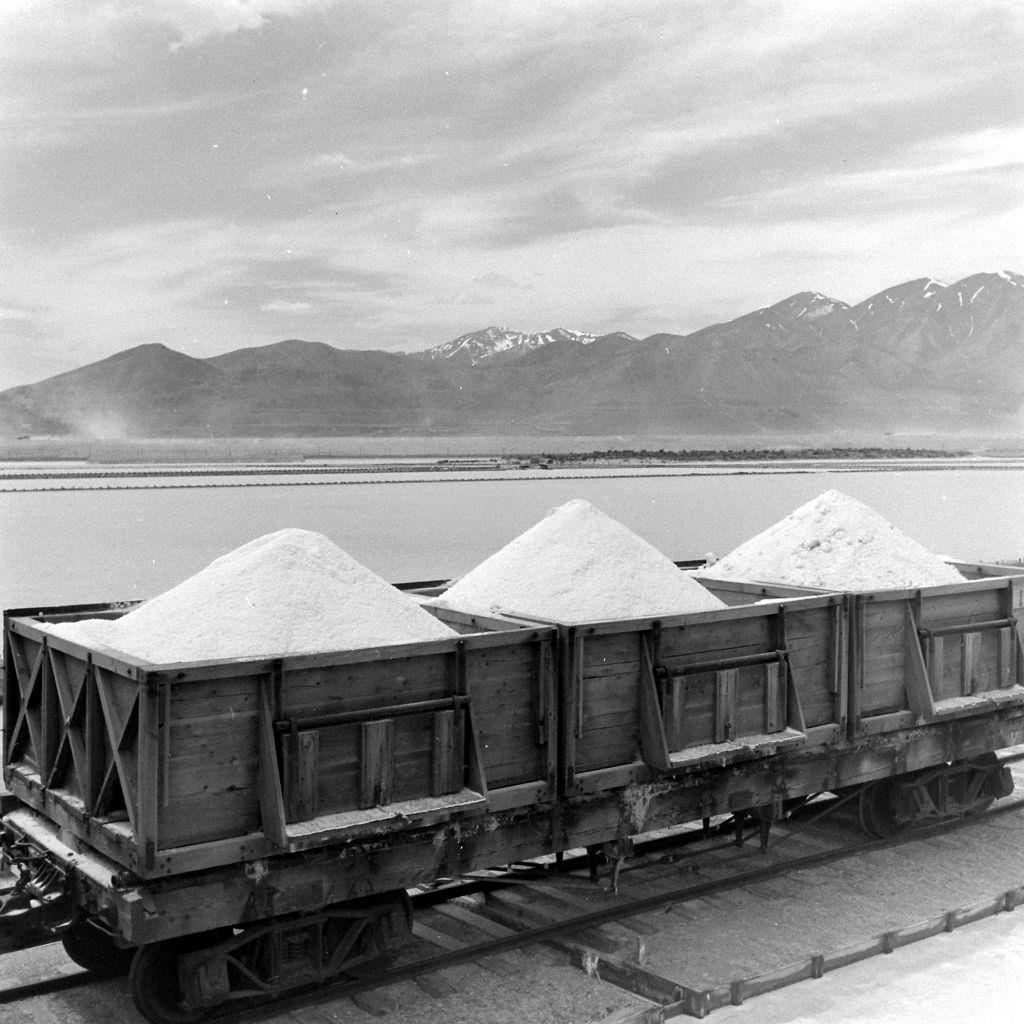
(578, 564)
(290, 592)
(835, 542)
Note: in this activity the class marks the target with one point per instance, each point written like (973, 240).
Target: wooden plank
(747, 988)
(95, 738)
(270, 796)
(510, 908)
(190, 779)
(790, 700)
(566, 701)
(124, 666)
(725, 697)
(653, 742)
(981, 570)
(221, 814)
(465, 916)
(443, 775)
(48, 715)
(629, 976)
(376, 769)
(971, 604)
(517, 795)
(774, 699)
(117, 728)
(920, 676)
(437, 938)
(301, 762)
(970, 646)
(547, 726)
(339, 787)
(1005, 658)
(147, 822)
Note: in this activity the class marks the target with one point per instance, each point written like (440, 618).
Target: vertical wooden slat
(774, 707)
(548, 683)
(1005, 664)
(970, 645)
(578, 680)
(935, 660)
(725, 700)
(271, 799)
(95, 736)
(674, 710)
(376, 768)
(918, 676)
(49, 709)
(841, 663)
(165, 746)
(545, 694)
(653, 742)
(148, 768)
(856, 663)
(10, 694)
(301, 753)
(462, 727)
(567, 705)
(442, 774)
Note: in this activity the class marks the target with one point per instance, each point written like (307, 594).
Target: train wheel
(988, 761)
(153, 979)
(878, 810)
(95, 950)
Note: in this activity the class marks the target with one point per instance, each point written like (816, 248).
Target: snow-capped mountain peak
(492, 341)
(804, 306)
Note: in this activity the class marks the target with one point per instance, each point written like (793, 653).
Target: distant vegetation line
(753, 454)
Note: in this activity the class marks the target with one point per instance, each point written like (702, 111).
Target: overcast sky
(215, 174)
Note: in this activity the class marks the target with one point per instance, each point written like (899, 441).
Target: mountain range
(922, 355)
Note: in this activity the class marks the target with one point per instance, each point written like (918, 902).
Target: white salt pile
(290, 592)
(835, 543)
(576, 565)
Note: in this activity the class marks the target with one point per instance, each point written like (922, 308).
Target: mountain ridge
(921, 354)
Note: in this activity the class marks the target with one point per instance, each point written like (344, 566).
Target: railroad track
(480, 920)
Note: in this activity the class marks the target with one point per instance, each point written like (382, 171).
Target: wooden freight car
(248, 826)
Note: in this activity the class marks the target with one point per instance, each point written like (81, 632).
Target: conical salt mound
(290, 592)
(835, 543)
(578, 565)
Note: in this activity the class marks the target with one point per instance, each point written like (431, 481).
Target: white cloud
(491, 155)
(88, 32)
(198, 20)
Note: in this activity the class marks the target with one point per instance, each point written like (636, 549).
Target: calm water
(87, 546)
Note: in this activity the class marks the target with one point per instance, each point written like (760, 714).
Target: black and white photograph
(511, 511)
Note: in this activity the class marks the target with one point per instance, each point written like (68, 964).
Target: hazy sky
(214, 174)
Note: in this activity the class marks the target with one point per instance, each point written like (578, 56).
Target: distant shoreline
(561, 449)
(611, 463)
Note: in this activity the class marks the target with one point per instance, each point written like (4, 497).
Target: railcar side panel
(167, 769)
(940, 651)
